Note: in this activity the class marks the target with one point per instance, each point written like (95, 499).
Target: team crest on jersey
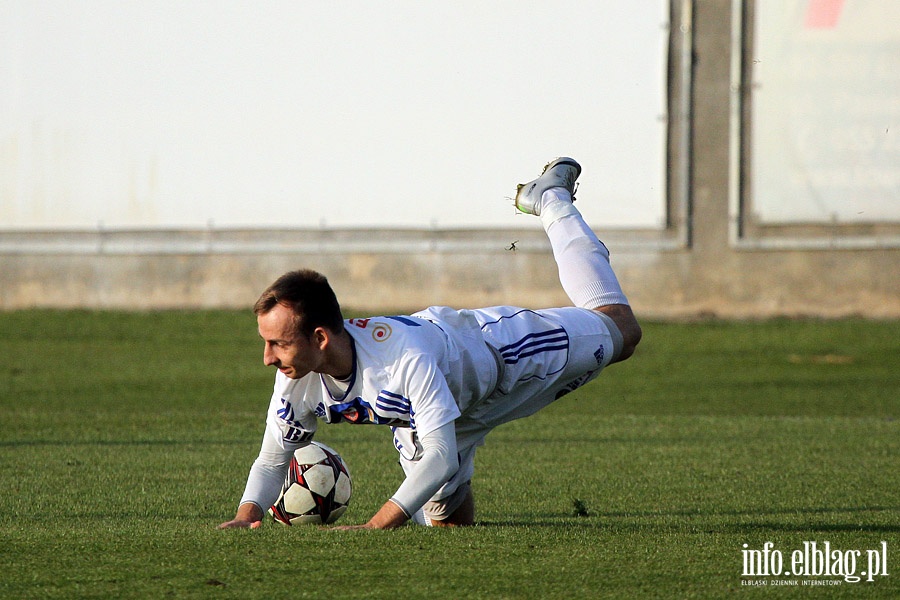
(353, 413)
(359, 412)
(381, 332)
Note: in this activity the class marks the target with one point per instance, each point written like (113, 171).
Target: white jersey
(418, 372)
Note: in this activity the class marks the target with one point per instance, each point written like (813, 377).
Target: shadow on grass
(682, 527)
(741, 513)
(63, 443)
(808, 527)
(760, 520)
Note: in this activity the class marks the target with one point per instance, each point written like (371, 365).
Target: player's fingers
(238, 524)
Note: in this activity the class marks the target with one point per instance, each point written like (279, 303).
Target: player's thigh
(593, 338)
(554, 352)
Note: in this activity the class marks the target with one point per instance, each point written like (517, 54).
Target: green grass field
(126, 438)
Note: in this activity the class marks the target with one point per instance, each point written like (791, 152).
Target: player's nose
(269, 358)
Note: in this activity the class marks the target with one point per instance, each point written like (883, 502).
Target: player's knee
(451, 522)
(631, 337)
(463, 516)
(628, 326)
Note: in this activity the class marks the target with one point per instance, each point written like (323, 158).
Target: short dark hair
(309, 296)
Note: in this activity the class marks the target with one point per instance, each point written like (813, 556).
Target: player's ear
(321, 337)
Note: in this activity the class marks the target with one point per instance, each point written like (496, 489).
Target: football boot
(561, 172)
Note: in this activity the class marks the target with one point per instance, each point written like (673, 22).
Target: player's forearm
(266, 475)
(388, 516)
(438, 463)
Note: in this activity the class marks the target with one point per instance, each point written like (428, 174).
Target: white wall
(826, 111)
(184, 114)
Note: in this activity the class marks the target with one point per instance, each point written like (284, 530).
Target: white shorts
(544, 355)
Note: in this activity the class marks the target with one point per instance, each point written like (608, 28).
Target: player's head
(310, 298)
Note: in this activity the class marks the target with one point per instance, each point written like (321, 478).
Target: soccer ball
(317, 487)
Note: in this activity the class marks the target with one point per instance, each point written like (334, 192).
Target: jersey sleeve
(290, 423)
(289, 426)
(432, 404)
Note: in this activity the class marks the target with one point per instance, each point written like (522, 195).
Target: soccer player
(441, 378)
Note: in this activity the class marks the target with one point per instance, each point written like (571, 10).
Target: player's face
(290, 352)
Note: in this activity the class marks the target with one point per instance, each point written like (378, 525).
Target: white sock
(583, 261)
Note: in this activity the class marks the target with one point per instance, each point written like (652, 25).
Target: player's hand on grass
(249, 516)
(390, 516)
(240, 524)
